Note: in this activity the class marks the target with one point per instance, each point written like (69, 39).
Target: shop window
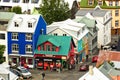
(30, 61)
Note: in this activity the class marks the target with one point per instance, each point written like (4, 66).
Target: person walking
(43, 76)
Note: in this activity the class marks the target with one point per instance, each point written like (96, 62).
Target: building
(94, 74)
(91, 23)
(25, 5)
(79, 33)
(103, 19)
(23, 32)
(5, 17)
(51, 50)
(113, 5)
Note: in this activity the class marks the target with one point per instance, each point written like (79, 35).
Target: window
(47, 47)
(64, 34)
(30, 61)
(15, 47)
(99, 2)
(53, 48)
(14, 36)
(28, 48)
(110, 3)
(116, 23)
(2, 36)
(116, 12)
(29, 25)
(16, 24)
(29, 36)
(90, 2)
(16, 1)
(42, 47)
(41, 31)
(55, 34)
(116, 3)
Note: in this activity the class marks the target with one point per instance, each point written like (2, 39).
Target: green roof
(84, 4)
(60, 41)
(87, 21)
(6, 15)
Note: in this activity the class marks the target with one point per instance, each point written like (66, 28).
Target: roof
(95, 13)
(63, 42)
(6, 15)
(3, 70)
(23, 20)
(70, 27)
(107, 55)
(97, 75)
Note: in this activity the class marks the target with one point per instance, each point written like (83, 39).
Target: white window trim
(15, 36)
(15, 50)
(26, 37)
(28, 46)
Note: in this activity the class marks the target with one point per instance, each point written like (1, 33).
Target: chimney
(91, 69)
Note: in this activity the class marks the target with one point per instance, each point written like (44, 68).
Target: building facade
(53, 50)
(5, 17)
(23, 32)
(103, 19)
(79, 33)
(113, 5)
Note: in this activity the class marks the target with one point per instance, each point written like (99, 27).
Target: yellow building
(113, 5)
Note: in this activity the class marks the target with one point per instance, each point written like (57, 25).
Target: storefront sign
(49, 55)
(47, 59)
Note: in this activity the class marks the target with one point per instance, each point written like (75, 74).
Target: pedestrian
(43, 76)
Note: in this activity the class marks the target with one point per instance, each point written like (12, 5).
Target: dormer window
(100, 3)
(31, 22)
(17, 21)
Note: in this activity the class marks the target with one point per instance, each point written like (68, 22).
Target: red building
(54, 51)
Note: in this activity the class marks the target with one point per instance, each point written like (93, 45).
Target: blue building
(23, 32)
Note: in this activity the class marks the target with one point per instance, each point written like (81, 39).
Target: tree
(54, 10)
(16, 9)
(2, 49)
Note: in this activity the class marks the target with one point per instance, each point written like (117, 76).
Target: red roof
(105, 55)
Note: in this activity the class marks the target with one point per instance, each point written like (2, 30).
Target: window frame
(16, 24)
(30, 25)
(117, 12)
(110, 3)
(15, 47)
(14, 36)
(116, 23)
(28, 36)
(28, 48)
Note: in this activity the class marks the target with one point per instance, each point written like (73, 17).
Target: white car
(23, 72)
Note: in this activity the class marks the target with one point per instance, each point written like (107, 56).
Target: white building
(94, 74)
(103, 18)
(4, 20)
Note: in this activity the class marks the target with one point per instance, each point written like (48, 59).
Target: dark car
(84, 67)
(94, 58)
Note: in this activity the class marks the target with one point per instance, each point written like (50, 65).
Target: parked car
(94, 58)
(22, 72)
(84, 67)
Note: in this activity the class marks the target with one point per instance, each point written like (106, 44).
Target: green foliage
(16, 9)
(54, 10)
(2, 49)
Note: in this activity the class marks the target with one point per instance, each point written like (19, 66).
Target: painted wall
(41, 25)
(21, 42)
